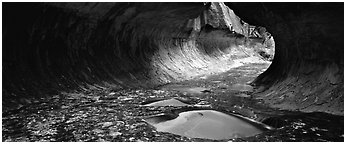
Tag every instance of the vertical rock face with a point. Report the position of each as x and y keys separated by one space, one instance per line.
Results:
x=220 y=16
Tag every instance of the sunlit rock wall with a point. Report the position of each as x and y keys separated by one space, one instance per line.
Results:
x=52 y=47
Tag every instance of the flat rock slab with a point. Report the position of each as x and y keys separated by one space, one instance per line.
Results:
x=243 y=95
x=241 y=87
x=208 y=124
x=190 y=90
x=168 y=102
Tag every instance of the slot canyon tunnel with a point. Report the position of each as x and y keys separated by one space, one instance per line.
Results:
x=60 y=60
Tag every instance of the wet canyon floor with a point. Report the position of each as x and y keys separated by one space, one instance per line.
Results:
x=106 y=114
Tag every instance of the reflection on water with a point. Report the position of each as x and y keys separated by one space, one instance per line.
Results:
x=208 y=124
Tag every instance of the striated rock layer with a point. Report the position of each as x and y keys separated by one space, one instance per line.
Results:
x=307 y=73
x=52 y=47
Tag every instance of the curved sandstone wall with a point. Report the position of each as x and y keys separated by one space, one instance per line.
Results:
x=51 y=47
x=307 y=73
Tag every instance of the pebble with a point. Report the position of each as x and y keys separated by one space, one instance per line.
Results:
x=114 y=133
x=203 y=103
x=120 y=123
x=106 y=124
x=131 y=138
x=64 y=107
x=243 y=95
x=98 y=131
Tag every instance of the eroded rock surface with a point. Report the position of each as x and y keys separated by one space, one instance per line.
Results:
x=80 y=71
